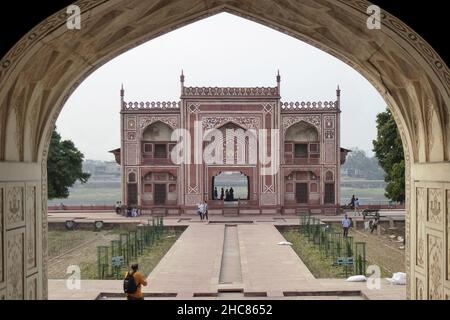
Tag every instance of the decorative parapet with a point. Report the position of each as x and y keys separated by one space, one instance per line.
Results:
x=170 y=105
x=231 y=91
x=309 y=106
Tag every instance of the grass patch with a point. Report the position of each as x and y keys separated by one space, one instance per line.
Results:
x=62 y=243
x=317 y=263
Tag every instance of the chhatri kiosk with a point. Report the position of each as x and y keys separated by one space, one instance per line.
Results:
x=285 y=160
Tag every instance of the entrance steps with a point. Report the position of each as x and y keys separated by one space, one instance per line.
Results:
x=230 y=212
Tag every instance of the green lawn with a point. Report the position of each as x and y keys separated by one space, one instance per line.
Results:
x=80 y=248
x=310 y=254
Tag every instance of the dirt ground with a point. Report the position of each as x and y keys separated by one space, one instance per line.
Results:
x=383 y=250
x=74 y=248
x=79 y=248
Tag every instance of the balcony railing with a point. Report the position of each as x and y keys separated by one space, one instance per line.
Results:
x=302 y=160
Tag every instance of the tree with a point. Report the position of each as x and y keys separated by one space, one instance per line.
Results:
x=388 y=149
x=64 y=167
x=362 y=166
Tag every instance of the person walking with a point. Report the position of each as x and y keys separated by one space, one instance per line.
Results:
x=118 y=207
x=205 y=210
x=200 y=210
x=215 y=193
x=133 y=282
x=356 y=208
x=352 y=202
x=374 y=224
x=346 y=222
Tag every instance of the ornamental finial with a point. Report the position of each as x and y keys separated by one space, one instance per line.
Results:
x=182 y=76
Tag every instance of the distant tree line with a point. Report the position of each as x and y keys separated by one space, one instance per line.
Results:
x=359 y=165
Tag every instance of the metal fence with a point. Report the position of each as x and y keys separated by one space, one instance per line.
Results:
x=113 y=260
x=333 y=246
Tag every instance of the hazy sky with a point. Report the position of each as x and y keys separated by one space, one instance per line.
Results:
x=223 y=50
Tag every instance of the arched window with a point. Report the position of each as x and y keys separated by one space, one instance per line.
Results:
x=157 y=143
x=157 y=131
x=231 y=144
x=302 y=131
x=132 y=177
x=302 y=144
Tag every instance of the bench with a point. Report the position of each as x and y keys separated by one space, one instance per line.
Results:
x=345 y=261
x=371 y=212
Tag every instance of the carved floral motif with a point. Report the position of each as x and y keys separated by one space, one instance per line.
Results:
x=14 y=269
x=14 y=205
x=31 y=226
x=420 y=221
x=435 y=206
x=311 y=119
x=171 y=121
x=245 y=122
x=435 y=289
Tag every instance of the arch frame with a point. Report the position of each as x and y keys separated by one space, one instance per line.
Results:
x=409 y=74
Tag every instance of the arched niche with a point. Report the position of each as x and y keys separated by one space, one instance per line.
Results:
x=302 y=132
x=157 y=132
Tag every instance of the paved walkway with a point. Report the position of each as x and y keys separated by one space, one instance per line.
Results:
x=231 y=257
x=192 y=264
x=243 y=259
x=185 y=220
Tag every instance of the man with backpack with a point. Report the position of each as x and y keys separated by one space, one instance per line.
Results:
x=133 y=282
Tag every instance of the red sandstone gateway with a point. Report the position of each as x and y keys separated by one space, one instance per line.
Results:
x=306 y=178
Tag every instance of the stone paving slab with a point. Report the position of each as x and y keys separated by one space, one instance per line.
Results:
x=192 y=264
x=267 y=266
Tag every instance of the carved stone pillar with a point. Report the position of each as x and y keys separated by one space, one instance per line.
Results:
x=23 y=227
x=429 y=243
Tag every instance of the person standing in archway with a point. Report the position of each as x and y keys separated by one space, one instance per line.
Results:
x=222 y=194
x=215 y=193
x=231 y=194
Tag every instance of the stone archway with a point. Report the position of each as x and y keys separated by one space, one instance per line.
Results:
x=41 y=71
